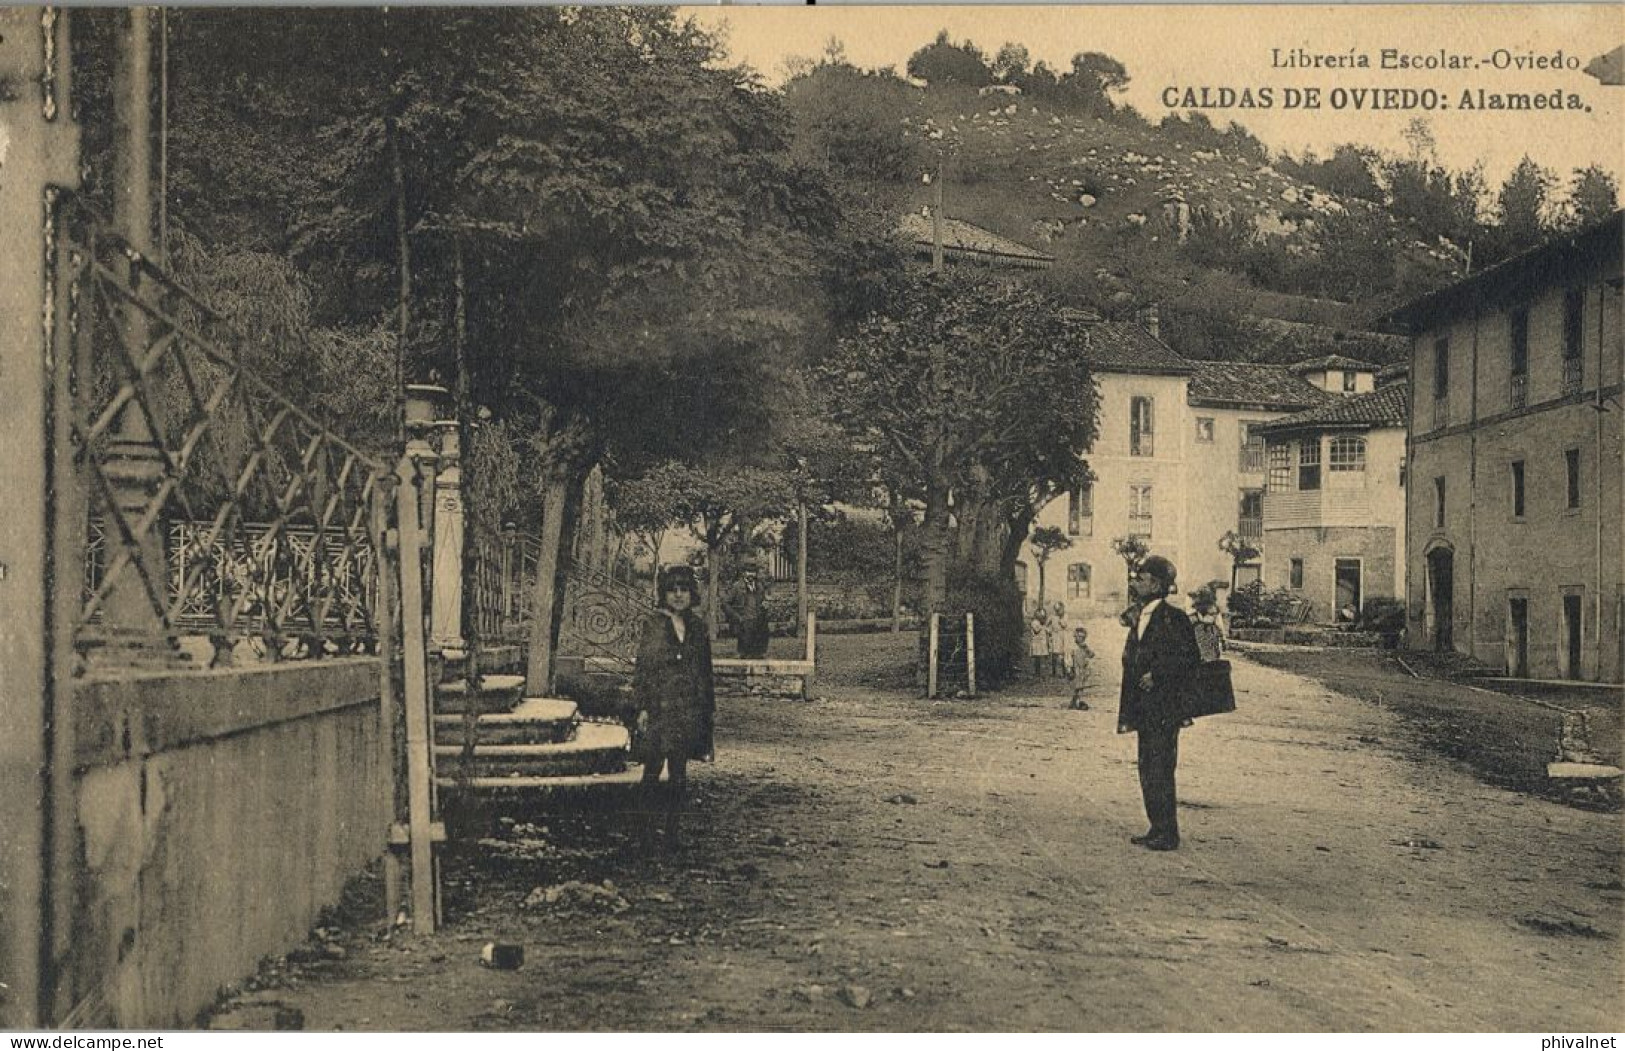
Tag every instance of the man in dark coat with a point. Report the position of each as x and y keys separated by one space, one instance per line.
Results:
x=746 y=608
x=1159 y=658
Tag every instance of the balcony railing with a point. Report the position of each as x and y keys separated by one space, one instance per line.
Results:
x=1140 y=526
x=1520 y=390
x=1141 y=445
x=1252 y=459
x=1441 y=411
x=1572 y=368
x=1250 y=528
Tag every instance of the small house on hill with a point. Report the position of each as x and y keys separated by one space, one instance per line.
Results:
x=964 y=242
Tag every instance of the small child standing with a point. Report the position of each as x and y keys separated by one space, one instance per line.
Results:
x=1206 y=624
x=1078 y=661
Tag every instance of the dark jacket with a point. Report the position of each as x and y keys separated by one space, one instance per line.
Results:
x=1169 y=653
x=673 y=685
x=746 y=610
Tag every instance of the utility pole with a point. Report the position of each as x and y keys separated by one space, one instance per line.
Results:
x=936 y=220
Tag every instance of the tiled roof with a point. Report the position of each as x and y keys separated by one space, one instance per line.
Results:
x=1123 y=346
x=1332 y=361
x=1386 y=407
x=1398 y=372
x=1241 y=383
x=1517 y=278
x=968 y=241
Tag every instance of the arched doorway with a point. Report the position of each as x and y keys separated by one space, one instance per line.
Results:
x=1441 y=589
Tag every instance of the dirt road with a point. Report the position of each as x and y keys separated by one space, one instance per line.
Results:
x=872 y=861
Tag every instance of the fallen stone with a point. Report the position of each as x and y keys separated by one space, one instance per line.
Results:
x=902 y=797
x=575 y=894
x=503 y=956
x=855 y=996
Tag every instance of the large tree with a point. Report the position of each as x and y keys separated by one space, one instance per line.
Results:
x=640 y=253
x=975 y=393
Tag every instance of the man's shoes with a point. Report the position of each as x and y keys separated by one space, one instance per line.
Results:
x=1141 y=841
x=1161 y=843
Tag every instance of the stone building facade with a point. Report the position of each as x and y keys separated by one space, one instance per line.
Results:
x=1334 y=507
x=1514 y=508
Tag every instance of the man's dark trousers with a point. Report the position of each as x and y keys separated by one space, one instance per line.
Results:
x=1159 y=754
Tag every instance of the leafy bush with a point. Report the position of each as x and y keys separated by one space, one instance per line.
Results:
x=1383 y=614
x=1000 y=624
x=1251 y=606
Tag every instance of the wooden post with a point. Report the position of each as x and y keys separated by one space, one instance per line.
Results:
x=41 y=532
x=386 y=553
x=812 y=638
x=803 y=603
x=970 y=651
x=419 y=727
x=931 y=659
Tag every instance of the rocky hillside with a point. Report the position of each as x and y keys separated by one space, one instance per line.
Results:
x=1089 y=190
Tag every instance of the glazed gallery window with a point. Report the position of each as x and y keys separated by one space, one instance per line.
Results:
x=1346 y=454
x=1571 y=465
x=1139 y=510
x=1204 y=428
x=1309 y=463
x=1080 y=511
x=1077 y=580
x=1140 y=427
x=1517 y=488
x=1280 y=479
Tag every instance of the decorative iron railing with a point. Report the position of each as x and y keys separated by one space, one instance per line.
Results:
x=1573 y=371
x=211 y=503
x=603 y=618
x=1520 y=390
x=504 y=584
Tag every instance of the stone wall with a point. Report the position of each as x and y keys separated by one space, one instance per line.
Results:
x=217 y=813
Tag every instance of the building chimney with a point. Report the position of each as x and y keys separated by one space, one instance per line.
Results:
x=1149 y=319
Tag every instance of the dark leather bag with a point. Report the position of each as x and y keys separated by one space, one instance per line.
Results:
x=1209 y=691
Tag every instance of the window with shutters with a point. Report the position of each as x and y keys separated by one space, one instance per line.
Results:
x=1441 y=382
x=1080 y=511
x=1573 y=338
x=1140 y=425
x=1077 y=580
x=1139 y=510
x=1520 y=358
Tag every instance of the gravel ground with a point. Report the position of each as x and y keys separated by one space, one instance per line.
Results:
x=873 y=861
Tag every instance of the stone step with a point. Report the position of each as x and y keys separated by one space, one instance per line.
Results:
x=536 y=720
x=596 y=748
x=622 y=780
x=497 y=693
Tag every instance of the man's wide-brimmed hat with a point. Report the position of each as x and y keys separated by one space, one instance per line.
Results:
x=1160 y=569
x=678 y=577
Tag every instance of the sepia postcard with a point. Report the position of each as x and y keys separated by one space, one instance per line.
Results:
x=827 y=519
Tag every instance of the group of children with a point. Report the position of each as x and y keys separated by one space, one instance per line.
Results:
x=1062 y=656
x=1053 y=655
